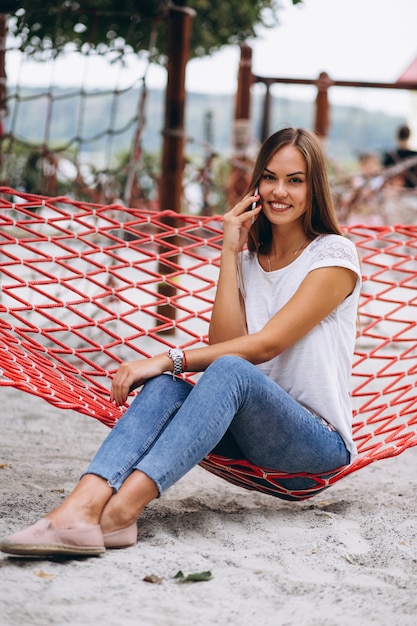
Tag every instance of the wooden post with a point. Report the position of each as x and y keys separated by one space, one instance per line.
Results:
x=242 y=132
x=179 y=33
x=208 y=159
x=322 y=117
x=3 y=84
x=178 y=45
x=242 y=137
x=266 y=118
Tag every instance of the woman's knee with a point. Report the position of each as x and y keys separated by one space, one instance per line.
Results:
x=164 y=383
x=229 y=371
x=163 y=380
x=229 y=363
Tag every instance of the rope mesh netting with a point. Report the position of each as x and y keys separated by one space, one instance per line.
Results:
x=72 y=117
x=86 y=286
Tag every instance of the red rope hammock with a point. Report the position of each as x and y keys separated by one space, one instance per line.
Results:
x=85 y=286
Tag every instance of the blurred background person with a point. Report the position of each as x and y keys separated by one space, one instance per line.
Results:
x=408 y=178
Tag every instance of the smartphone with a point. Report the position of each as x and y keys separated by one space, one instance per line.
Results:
x=254 y=204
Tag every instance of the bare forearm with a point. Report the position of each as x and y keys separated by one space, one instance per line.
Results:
x=246 y=347
x=227 y=319
x=198 y=359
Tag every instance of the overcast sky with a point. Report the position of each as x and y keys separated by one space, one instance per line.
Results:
x=366 y=40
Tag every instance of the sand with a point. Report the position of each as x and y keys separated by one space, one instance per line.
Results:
x=346 y=557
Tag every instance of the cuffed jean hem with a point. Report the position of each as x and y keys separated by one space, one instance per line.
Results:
x=116 y=487
x=89 y=473
x=138 y=430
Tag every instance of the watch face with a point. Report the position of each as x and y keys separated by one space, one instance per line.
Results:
x=175 y=353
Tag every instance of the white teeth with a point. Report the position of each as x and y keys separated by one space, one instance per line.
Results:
x=275 y=205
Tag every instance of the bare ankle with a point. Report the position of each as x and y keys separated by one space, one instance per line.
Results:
x=126 y=506
x=84 y=506
x=116 y=520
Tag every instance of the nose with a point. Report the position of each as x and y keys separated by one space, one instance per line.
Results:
x=280 y=189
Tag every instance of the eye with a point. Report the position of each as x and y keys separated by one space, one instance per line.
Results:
x=296 y=180
x=267 y=176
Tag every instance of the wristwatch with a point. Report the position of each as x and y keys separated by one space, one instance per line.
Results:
x=177 y=357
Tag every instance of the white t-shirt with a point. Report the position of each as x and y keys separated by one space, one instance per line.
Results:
x=316 y=370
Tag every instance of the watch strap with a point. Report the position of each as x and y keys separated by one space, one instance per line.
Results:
x=178 y=358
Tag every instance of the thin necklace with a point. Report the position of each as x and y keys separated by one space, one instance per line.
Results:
x=295 y=253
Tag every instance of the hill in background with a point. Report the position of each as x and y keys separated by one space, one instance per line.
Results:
x=105 y=123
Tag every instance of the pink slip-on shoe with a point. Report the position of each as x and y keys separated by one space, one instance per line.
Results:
x=44 y=539
x=122 y=538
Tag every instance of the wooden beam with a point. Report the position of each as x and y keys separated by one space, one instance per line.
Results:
x=179 y=35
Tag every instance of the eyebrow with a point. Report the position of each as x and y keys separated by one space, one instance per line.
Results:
x=292 y=174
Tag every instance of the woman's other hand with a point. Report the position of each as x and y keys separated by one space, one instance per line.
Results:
x=132 y=374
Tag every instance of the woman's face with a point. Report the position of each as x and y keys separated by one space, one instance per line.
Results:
x=283 y=187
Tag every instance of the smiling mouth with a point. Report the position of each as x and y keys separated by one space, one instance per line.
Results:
x=279 y=206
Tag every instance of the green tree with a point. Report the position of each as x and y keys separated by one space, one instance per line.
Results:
x=44 y=27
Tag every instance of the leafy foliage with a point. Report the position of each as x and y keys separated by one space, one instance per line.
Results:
x=44 y=27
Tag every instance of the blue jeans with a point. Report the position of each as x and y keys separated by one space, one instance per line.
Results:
x=234 y=409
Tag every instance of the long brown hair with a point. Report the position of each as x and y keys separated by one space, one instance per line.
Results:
x=320 y=216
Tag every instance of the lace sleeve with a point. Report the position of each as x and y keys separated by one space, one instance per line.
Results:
x=330 y=250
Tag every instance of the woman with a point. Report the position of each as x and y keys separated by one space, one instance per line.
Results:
x=275 y=382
